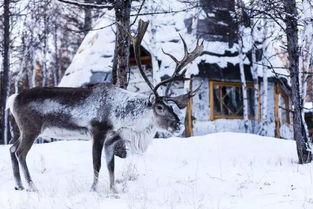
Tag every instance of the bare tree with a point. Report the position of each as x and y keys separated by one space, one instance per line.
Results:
x=122 y=43
x=6 y=69
x=291 y=22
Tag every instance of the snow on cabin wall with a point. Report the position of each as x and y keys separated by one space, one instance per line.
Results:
x=220 y=125
x=286 y=131
x=270 y=102
x=200 y=102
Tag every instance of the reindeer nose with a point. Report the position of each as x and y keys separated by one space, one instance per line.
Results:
x=178 y=129
x=179 y=125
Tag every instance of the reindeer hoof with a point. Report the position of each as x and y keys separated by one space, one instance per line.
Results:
x=113 y=190
x=120 y=149
x=32 y=187
x=93 y=188
x=19 y=188
x=32 y=190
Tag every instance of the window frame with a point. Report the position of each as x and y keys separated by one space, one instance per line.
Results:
x=282 y=93
x=213 y=83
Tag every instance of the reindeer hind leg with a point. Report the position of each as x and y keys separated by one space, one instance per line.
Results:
x=15 y=166
x=25 y=144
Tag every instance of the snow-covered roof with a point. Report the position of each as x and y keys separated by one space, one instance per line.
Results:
x=96 y=51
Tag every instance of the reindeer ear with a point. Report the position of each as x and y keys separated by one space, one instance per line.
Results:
x=181 y=101
x=152 y=99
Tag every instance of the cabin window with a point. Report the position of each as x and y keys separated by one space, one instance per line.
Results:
x=226 y=100
x=309 y=121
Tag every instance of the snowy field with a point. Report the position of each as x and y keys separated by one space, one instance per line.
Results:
x=218 y=171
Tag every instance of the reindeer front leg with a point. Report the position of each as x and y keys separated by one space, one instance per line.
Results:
x=120 y=149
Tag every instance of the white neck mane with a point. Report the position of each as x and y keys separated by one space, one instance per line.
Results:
x=138 y=142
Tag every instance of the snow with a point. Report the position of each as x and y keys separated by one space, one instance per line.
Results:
x=223 y=170
x=308 y=106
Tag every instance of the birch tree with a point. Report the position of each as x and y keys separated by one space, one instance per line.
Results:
x=255 y=76
x=241 y=34
x=264 y=125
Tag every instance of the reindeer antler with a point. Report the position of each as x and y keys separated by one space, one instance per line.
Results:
x=178 y=75
x=142 y=28
x=188 y=57
x=182 y=100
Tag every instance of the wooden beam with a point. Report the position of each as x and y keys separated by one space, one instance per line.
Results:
x=276 y=111
x=188 y=121
x=211 y=107
x=259 y=102
x=286 y=98
x=231 y=84
x=231 y=117
x=145 y=60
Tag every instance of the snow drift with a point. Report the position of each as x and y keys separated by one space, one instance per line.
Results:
x=225 y=170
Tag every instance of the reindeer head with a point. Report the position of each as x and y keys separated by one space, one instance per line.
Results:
x=164 y=114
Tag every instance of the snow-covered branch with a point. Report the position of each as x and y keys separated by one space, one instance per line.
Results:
x=88 y=5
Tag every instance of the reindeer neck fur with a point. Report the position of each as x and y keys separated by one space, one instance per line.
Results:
x=133 y=119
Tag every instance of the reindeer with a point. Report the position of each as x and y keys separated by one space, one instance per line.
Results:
x=112 y=117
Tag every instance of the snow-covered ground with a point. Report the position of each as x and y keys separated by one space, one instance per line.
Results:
x=224 y=170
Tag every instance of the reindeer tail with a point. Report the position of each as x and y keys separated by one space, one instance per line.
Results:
x=10 y=102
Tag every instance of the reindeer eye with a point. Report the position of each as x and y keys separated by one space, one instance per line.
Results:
x=159 y=107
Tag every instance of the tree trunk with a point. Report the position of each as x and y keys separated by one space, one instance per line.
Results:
x=255 y=83
x=303 y=147
x=265 y=83
x=87 y=18
x=45 y=73
x=239 y=8
x=6 y=68
x=56 y=57
x=122 y=43
x=244 y=84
